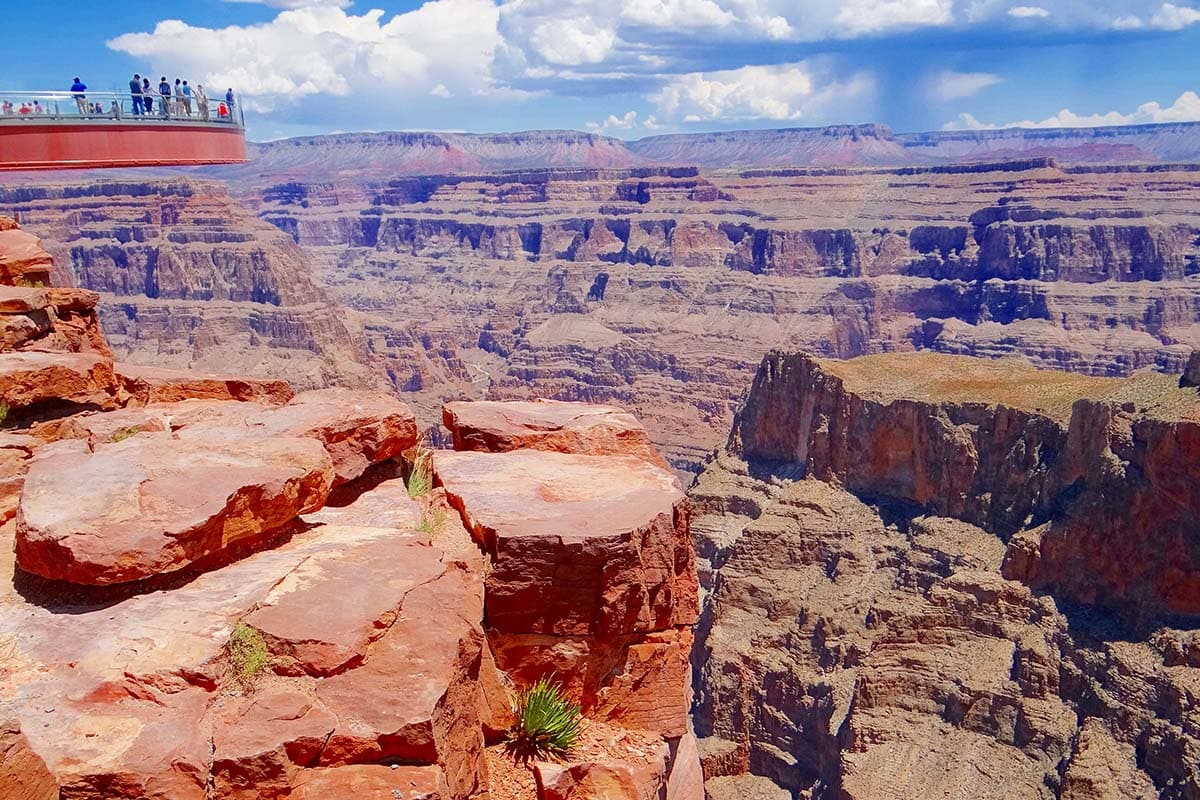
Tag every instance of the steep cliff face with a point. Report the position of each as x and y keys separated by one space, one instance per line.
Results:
x=215 y=587
x=659 y=289
x=188 y=279
x=960 y=575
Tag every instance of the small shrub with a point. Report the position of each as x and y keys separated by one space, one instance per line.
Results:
x=4 y=409
x=125 y=433
x=547 y=723
x=28 y=284
x=420 y=480
x=248 y=654
x=432 y=521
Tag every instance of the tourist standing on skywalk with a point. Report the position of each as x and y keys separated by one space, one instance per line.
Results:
x=78 y=88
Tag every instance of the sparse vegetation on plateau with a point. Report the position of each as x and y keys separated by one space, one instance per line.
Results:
x=4 y=409
x=420 y=479
x=547 y=723
x=248 y=656
x=432 y=521
x=125 y=433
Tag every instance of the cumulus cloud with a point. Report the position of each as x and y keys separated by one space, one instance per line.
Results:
x=1027 y=12
x=625 y=122
x=323 y=50
x=784 y=92
x=1173 y=18
x=1185 y=109
x=947 y=85
x=873 y=16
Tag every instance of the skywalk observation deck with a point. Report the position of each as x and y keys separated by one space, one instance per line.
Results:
x=55 y=130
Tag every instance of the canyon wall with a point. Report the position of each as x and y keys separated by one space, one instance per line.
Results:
x=188 y=279
x=934 y=575
x=656 y=288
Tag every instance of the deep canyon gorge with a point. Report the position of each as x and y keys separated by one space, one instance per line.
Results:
x=924 y=522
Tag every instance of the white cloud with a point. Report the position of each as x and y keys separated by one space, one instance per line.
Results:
x=1127 y=23
x=323 y=50
x=441 y=91
x=874 y=16
x=625 y=122
x=677 y=13
x=947 y=86
x=572 y=42
x=1185 y=109
x=1027 y=12
x=785 y=92
x=1173 y=18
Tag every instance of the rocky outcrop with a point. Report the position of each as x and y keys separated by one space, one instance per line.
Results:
x=63 y=320
x=583 y=428
x=206 y=625
x=935 y=575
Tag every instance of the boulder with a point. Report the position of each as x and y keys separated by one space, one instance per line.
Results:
x=63 y=320
x=143 y=385
x=357 y=428
x=29 y=377
x=158 y=502
x=585 y=781
x=22 y=258
x=414 y=699
x=23 y=774
x=387 y=505
x=322 y=618
x=371 y=781
x=583 y=428
x=580 y=545
x=260 y=742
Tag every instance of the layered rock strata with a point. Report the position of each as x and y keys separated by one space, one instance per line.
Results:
x=936 y=575
x=219 y=588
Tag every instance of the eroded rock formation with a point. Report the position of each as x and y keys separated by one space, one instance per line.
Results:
x=221 y=588
x=930 y=575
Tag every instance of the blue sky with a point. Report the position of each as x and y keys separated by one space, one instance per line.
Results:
x=632 y=68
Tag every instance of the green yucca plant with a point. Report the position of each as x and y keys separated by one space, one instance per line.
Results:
x=547 y=723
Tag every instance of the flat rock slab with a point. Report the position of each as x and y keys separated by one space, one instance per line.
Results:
x=357 y=428
x=371 y=782
x=579 y=544
x=22 y=257
x=143 y=385
x=260 y=742
x=125 y=699
x=30 y=377
x=583 y=428
x=387 y=505
x=415 y=697
x=323 y=616
x=23 y=774
x=158 y=502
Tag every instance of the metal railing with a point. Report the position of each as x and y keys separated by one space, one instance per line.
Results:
x=98 y=107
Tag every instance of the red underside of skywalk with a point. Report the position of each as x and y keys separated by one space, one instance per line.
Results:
x=35 y=145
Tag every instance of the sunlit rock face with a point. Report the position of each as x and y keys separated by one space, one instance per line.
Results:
x=929 y=573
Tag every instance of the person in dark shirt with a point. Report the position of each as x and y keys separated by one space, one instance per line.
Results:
x=164 y=101
x=135 y=94
x=78 y=88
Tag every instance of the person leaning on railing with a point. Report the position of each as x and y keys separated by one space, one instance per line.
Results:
x=78 y=88
x=202 y=101
x=135 y=94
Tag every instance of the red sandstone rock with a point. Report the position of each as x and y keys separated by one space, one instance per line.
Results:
x=62 y=320
x=27 y=378
x=357 y=428
x=22 y=258
x=414 y=699
x=323 y=618
x=387 y=505
x=585 y=781
x=369 y=782
x=579 y=544
x=156 y=503
x=261 y=742
x=23 y=774
x=548 y=425
x=686 y=781
x=145 y=385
